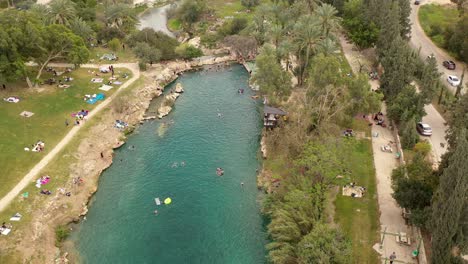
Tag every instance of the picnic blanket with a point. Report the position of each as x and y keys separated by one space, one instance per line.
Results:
x=117 y=82
x=16 y=217
x=105 y=87
x=95 y=98
x=42 y=181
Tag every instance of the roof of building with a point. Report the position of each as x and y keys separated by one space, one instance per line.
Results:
x=272 y=110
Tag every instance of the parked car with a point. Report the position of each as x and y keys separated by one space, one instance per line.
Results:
x=449 y=65
x=453 y=80
x=424 y=129
x=417 y=2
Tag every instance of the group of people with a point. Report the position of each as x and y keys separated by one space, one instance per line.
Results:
x=379 y=119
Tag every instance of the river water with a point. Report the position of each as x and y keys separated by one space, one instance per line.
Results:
x=156 y=18
x=211 y=219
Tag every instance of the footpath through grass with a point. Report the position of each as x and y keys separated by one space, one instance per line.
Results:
x=51 y=107
x=436 y=19
x=359 y=217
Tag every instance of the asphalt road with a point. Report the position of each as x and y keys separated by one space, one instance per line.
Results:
x=419 y=40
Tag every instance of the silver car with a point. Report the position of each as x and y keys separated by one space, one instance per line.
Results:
x=424 y=129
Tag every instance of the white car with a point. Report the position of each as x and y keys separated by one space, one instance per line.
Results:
x=424 y=129
x=453 y=80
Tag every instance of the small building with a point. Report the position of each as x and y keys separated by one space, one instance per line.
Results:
x=272 y=116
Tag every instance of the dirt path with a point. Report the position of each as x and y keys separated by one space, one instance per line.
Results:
x=28 y=178
x=391 y=220
x=419 y=40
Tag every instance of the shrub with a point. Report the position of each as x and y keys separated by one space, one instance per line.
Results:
x=250 y=3
x=423 y=147
x=187 y=51
x=114 y=44
x=142 y=65
x=61 y=233
x=155 y=41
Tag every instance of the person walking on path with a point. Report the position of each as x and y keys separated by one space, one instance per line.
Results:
x=392 y=257
x=66 y=122
x=102 y=155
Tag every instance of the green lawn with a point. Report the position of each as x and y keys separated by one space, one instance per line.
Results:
x=59 y=169
x=435 y=19
x=51 y=107
x=359 y=217
x=224 y=8
x=174 y=24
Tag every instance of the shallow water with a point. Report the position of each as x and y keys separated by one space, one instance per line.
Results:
x=211 y=219
x=156 y=18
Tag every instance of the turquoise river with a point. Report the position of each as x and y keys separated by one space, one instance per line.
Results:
x=211 y=219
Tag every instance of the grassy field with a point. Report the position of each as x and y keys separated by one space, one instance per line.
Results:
x=228 y=8
x=174 y=24
x=359 y=217
x=435 y=19
x=59 y=167
x=51 y=107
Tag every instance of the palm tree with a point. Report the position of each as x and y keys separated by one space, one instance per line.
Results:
x=81 y=28
x=275 y=34
x=327 y=18
x=307 y=35
x=120 y=16
x=61 y=12
x=327 y=47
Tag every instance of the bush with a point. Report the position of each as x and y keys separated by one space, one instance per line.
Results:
x=187 y=51
x=233 y=27
x=155 y=41
x=209 y=40
x=114 y=44
x=61 y=233
x=423 y=147
x=142 y=65
x=146 y=53
x=409 y=135
x=250 y=3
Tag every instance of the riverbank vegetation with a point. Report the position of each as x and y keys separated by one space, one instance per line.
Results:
x=300 y=69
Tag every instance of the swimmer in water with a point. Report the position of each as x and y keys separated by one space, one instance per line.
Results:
x=242 y=184
x=182 y=163
x=155 y=212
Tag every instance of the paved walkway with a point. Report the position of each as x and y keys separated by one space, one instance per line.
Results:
x=391 y=220
x=28 y=178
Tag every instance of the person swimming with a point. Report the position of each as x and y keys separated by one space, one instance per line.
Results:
x=219 y=171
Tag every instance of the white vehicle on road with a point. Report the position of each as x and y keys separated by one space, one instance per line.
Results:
x=453 y=80
x=424 y=129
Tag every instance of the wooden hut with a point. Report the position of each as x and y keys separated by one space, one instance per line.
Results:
x=272 y=116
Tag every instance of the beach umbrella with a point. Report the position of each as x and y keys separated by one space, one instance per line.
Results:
x=167 y=200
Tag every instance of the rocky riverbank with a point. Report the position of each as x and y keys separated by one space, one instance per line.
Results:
x=93 y=155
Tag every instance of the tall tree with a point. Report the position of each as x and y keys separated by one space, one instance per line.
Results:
x=58 y=42
x=405 y=23
x=399 y=65
x=270 y=76
x=81 y=28
x=327 y=18
x=450 y=207
x=61 y=11
x=389 y=28
x=121 y=16
x=429 y=79
x=306 y=36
